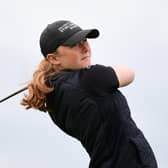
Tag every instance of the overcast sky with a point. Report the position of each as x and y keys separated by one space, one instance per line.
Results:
x=132 y=32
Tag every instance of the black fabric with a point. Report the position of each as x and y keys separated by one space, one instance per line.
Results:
x=87 y=105
x=99 y=80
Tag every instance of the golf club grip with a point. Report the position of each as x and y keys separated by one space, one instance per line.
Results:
x=13 y=94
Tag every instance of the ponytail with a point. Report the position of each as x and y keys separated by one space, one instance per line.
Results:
x=37 y=88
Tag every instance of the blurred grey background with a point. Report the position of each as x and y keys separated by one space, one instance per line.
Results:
x=133 y=33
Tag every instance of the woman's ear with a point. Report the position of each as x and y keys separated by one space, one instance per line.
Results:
x=53 y=59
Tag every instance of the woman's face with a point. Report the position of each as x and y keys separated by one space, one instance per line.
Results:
x=75 y=57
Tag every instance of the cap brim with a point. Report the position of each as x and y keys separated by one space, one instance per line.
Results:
x=81 y=35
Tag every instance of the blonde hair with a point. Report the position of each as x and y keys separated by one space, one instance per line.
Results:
x=37 y=87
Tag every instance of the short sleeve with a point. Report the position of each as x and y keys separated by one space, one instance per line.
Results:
x=99 y=79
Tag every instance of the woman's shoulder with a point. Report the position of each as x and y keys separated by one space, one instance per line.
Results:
x=74 y=77
x=66 y=77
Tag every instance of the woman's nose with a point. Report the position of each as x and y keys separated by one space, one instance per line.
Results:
x=84 y=46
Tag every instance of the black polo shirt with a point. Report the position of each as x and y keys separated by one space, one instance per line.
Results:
x=87 y=105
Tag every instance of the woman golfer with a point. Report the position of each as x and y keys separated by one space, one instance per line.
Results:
x=83 y=99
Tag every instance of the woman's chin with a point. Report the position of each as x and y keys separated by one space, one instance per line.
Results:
x=87 y=64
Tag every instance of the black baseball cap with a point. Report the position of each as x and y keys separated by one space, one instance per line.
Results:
x=64 y=33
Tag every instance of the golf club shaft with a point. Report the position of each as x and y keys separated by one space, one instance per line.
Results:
x=13 y=94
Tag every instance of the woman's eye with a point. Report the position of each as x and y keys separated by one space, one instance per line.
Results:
x=78 y=44
x=74 y=45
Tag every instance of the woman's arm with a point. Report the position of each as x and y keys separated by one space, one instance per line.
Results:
x=124 y=74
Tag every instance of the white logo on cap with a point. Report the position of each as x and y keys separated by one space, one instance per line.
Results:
x=66 y=26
